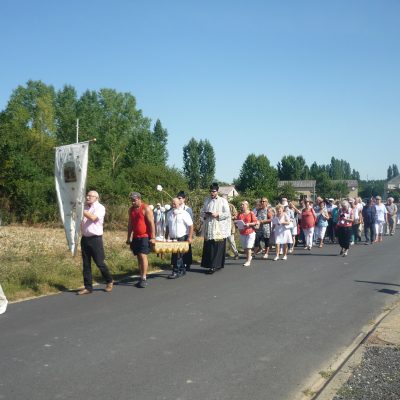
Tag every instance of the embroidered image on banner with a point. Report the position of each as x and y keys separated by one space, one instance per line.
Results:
x=70 y=176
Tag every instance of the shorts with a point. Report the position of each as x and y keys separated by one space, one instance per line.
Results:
x=140 y=246
x=261 y=238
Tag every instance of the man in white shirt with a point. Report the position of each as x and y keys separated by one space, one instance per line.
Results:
x=181 y=196
x=92 y=243
x=180 y=228
x=188 y=257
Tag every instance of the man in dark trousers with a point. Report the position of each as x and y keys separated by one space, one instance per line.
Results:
x=92 y=243
x=187 y=257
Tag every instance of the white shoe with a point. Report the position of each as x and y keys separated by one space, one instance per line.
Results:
x=265 y=256
x=276 y=258
x=290 y=250
x=246 y=264
x=284 y=258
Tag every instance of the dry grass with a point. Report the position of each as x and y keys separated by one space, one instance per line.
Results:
x=36 y=261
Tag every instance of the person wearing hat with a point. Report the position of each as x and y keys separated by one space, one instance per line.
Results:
x=381 y=218
x=216 y=228
x=92 y=243
x=187 y=257
x=141 y=232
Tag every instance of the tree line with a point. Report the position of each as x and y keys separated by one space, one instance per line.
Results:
x=130 y=154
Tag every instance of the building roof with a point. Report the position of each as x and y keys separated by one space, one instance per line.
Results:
x=297 y=184
x=395 y=180
x=227 y=189
x=351 y=183
x=311 y=183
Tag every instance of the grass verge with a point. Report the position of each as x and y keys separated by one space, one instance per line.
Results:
x=36 y=261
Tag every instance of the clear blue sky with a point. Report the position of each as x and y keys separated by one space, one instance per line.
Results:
x=301 y=77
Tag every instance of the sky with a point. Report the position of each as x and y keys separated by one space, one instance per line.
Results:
x=314 y=78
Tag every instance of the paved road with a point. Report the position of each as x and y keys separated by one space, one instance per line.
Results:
x=242 y=333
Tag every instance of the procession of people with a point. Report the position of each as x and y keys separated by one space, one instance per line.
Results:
x=263 y=229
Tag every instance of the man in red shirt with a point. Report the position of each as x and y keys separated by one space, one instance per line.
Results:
x=141 y=232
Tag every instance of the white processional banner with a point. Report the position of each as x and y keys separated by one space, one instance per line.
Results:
x=70 y=175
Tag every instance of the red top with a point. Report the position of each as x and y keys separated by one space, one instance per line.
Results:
x=308 y=218
x=141 y=228
x=247 y=218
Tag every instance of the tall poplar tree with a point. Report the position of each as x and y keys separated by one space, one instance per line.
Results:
x=160 y=140
x=191 y=164
x=207 y=163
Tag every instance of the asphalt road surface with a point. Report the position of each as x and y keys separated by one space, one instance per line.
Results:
x=242 y=333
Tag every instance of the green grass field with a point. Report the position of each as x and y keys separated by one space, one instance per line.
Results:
x=36 y=261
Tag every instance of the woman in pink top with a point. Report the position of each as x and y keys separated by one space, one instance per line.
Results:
x=247 y=233
x=308 y=220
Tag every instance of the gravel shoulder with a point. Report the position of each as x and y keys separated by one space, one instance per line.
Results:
x=372 y=372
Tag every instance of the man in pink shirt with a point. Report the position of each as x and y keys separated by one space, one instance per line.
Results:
x=92 y=242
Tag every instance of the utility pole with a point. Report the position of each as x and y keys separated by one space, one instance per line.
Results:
x=77 y=130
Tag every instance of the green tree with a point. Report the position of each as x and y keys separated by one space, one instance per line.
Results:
x=389 y=173
x=323 y=186
x=257 y=175
x=338 y=190
x=27 y=137
x=288 y=191
x=292 y=168
x=316 y=170
x=371 y=188
x=339 y=169
x=355 y=175
x=66 y=113
x=395 y=170
x=123 y=134
x=160 y=140
x=191 y=164
x=206 y=163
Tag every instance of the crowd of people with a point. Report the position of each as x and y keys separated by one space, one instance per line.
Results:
x=263 y=229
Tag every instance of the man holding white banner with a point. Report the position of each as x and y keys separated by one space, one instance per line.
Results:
x=92 y=243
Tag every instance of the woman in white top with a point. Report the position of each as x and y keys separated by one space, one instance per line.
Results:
x=381 y=219
x=322 y=223
x=283 y=235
